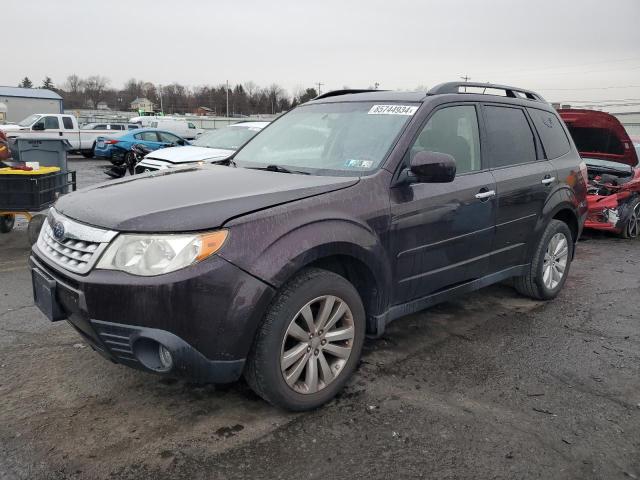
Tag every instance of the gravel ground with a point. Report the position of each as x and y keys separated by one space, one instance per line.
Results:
x=491 y=385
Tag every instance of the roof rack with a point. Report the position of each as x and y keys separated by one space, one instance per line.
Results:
x=336 y=93
x=454 y=87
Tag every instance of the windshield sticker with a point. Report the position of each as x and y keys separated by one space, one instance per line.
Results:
x=393 y=110
x=359 y=163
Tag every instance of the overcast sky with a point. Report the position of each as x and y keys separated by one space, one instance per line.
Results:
x=565 y=49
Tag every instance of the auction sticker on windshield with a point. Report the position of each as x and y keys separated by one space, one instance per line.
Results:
x=393 y=110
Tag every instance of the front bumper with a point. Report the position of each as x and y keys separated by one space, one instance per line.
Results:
x=206 y=315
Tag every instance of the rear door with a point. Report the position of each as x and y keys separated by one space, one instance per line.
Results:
x=150 y=139
x=524 y=179
x=70 y=132
x=442 y=233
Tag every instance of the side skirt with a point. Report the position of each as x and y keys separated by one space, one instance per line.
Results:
x=377 y=324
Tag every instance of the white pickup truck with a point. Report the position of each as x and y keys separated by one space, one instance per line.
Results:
x=46 y=125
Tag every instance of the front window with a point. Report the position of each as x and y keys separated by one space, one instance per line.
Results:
x=29 y=120
x=229 y=138
x=347 y=138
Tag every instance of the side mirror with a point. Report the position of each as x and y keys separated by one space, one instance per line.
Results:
x=38 y=127
x=433 y=167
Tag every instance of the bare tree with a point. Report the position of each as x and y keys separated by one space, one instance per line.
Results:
x=73 y=84
x=94 y=88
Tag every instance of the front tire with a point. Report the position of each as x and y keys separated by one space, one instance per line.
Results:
x=309 y=342
x=34 y=227
x=6 y=223
x=632 y=226
x=550 y=264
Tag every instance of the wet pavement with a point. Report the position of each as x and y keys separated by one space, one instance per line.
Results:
x=492 y=385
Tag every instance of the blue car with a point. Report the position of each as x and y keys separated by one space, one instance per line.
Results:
x=149 y=137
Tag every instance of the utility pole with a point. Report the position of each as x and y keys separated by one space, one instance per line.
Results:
x=161 y=107
x=227 y=98
x=466 y=78
x=320 y=84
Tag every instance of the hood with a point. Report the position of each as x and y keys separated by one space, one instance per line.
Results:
x=600 y=135
x=12 y=128
x=189 y=154
x=190 y=199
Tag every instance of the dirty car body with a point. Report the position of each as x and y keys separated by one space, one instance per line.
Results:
x=359 y=207
x=612 y=163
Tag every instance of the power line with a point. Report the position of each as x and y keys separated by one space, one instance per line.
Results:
x=566 y=66
x=590 y=88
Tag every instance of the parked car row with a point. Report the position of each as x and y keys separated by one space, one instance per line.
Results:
x=210 y=147
x=347 y=212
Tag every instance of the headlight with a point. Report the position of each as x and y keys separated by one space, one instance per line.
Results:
x=157 y=254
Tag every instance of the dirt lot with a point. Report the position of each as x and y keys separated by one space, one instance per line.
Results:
x=490 y=386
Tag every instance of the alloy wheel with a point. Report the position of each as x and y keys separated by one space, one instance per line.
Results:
x=317 y=344
x=633 y=226
x=555 y=260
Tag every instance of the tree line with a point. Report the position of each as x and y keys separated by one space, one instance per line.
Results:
x=244 y=99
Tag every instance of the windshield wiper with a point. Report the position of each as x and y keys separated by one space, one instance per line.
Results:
x=279 y=169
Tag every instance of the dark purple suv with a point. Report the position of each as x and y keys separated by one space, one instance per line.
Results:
x=351 y=210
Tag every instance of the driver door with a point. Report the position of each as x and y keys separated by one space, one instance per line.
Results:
x=442 y=233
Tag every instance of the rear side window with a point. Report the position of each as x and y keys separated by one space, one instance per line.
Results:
x=68 y=123
x=147 y=136
x=554 y=139
x=51 y=123
x=509 y=137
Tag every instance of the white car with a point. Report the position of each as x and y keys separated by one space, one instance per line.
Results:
x=210 y=147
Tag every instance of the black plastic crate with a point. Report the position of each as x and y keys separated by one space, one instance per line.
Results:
x=32 y=193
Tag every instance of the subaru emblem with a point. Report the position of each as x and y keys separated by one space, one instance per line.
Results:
x=58 y=230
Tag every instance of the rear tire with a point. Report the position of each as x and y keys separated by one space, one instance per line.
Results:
x=89 y=153
x=632 y=226
x=323 y=360
x=6 y=223
x=550 y=264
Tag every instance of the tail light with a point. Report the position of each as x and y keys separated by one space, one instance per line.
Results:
x=585 y=173
x=111 y=142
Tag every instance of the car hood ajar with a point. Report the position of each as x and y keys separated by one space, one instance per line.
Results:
x=600 y=135
x=189 y=153
x=190 y=199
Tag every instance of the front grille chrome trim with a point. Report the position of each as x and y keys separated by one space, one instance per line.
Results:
x=80 y=246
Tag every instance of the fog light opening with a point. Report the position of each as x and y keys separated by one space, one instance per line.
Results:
x=153 y=355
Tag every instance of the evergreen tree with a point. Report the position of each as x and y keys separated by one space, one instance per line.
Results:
x=26 y=83
x=47 y=83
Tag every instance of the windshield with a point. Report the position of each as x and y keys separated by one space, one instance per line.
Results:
x=229 y=138
x=332 y=138
x=29 y=120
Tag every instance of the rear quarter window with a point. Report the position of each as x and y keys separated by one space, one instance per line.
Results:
x=554 y=139
x=68 y=123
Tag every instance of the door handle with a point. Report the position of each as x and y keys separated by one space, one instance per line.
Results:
x=548 y=180
x=486 y=194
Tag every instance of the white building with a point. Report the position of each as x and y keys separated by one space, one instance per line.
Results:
x=19 y=102
x=631 y=122
x=142 y=104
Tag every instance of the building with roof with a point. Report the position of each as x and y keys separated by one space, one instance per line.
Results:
x=19 y=102
x=142 y=104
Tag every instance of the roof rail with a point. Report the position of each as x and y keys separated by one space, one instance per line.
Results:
x=336 y=93
x=454 y=87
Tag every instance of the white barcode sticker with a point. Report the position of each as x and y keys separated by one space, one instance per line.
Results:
x=393 y=110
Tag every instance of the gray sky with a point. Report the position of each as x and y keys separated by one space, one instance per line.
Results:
x=565 y=49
